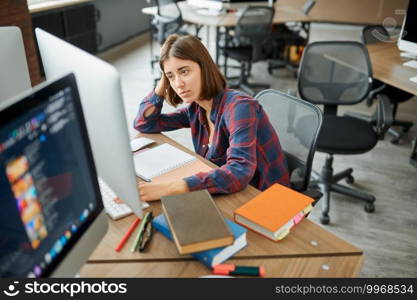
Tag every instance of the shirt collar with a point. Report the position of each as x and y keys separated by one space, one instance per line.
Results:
x=217 y=100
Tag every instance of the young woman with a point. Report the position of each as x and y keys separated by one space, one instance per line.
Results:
x=228 y=127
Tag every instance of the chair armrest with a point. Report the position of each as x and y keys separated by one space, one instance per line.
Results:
x=384 y=115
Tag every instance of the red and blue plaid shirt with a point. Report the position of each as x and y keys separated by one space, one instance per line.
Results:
x=244 y=145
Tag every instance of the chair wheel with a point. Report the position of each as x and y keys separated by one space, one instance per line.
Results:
x=395 y=141
x=369 y=207
x=325 y=219
x=350 y=179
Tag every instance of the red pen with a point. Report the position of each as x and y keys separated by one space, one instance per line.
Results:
x=127 y=235
x=228 y=269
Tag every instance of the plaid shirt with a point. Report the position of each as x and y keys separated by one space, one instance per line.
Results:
x=244 y=146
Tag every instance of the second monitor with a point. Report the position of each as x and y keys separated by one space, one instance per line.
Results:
x=102 y=103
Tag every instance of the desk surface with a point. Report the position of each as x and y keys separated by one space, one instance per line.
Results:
x=53 y=4
x=307 y=240
x=329 y=11
x=387 y=66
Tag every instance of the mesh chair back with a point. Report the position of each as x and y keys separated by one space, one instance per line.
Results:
x=168 y=19
x=333 y=73
x=168 y=9
x=298 y=139
x=254 y=28
x=374 y=34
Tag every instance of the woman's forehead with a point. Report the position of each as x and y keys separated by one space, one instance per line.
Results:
x=173 y=64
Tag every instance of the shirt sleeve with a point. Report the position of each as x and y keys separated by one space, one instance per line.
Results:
x=235 y=175
x=157 y=122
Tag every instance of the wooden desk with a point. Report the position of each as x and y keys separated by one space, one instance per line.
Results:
x=283 y=14
x=387 y=66
x=302 y=253
x=53 y=4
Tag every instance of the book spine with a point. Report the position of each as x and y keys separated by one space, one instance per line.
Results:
x=251 y=229
x=204 y=259
x=201 y=256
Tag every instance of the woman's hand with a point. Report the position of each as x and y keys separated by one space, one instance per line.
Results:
x=162 y=86
x=154 y=191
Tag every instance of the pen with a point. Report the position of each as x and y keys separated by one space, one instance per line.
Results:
x=147 y=234
x=140 y=232
x=127 y=235
x=229 y=269
x=144 y=179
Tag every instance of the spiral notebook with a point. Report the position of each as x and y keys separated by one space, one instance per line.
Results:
x=159 y=160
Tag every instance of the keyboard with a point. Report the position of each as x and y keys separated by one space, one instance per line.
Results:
x=113 y=209
x=411 y=64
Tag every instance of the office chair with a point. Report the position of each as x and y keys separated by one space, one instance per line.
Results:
x=333 y=74
x=298 y=139
x=168 y=20
x=376 y=34
x=252 y=33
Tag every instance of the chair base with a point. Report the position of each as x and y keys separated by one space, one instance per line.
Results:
x=406 y=125
x=328 y=183
x=413 y=157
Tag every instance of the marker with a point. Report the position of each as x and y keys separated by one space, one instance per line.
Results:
x=127 y=235
x=228 y=269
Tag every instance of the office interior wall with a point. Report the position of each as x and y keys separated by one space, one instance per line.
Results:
x=119 y=20
x=362 y=11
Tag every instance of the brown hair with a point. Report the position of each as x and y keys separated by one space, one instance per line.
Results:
x=190 y=48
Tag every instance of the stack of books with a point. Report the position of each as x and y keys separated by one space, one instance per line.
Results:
x=197 y=227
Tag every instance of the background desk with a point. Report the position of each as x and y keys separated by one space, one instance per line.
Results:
x=307 y=251
x=387 y=66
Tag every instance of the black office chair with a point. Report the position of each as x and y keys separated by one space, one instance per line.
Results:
x=333 y=74
x=252 y=33
x=376 y=34
x=298 y=139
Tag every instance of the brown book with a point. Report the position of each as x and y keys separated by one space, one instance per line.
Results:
x=195 y=222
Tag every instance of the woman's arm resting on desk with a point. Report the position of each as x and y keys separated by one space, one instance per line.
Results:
x=154 y=191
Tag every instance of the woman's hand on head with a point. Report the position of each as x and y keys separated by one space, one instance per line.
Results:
x=154 y=191
x=162 y=86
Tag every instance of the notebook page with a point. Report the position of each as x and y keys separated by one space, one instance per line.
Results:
x=159 y=160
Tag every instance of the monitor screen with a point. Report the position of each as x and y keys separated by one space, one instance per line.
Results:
x=48 y=182
x=408 y=37
x=410 y=26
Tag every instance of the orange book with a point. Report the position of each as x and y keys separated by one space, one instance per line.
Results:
x=274 y=211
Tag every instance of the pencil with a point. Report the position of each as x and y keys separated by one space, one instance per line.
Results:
x=127 y=235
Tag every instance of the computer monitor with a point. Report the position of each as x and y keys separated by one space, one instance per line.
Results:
x=51 y=215
x=14 y=72
x=228 y=4
x=102 y=102
x=408 y=38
